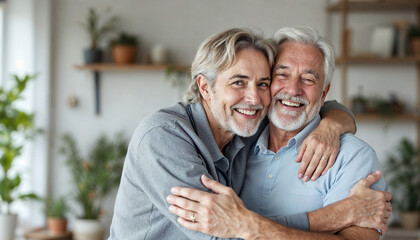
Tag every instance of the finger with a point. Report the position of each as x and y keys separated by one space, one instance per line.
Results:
x=305 y=162
x=313 y=164
x=189 y=225
x=388 y=196
x=186 y=214
x=302 y=149
x=183 y=203
x=215 y=186
x=370 y=179
x=331 y=162
x=189 y=193
x=321 y=166
x=388 y=206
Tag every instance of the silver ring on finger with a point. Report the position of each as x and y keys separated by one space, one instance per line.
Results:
x=192 y=218
x=323 y=158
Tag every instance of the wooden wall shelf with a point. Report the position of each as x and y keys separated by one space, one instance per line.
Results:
x=378 y=5
x=379 y=60
x=129 y=67
x=396 y=118
x=99 y=67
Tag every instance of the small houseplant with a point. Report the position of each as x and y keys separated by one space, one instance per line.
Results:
x=16 y=127
x=97 y=29
x=124 y=48
x=56 y=211
x=94 y=178
x=403 y=174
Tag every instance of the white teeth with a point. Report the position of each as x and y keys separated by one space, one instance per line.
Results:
x=291 y=104
x=247 y=112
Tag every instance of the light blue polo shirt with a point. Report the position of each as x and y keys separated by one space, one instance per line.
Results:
x=272 y=188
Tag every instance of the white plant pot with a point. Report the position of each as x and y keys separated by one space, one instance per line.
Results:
x=86 y=229
x=7 y=226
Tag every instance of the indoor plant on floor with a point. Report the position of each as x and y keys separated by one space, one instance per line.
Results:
x=94 y=178
x=96 y=30
x=56 y=211
x=403 y=175
x=16 y=127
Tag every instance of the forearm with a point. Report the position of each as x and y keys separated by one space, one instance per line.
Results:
x=262 y=228
x=338 y=121
x=331 y=218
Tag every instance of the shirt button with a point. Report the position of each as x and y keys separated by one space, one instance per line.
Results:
x=270 y=176
x=277 y=158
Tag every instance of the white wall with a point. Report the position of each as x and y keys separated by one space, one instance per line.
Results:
x=181 y=25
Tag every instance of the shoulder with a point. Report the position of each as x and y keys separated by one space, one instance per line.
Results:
x=356 y=151
x=167 y=121
x=350 y=142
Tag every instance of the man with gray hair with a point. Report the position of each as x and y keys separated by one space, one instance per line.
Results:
x=301 y=79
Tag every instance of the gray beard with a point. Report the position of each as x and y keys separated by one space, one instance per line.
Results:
x=295 y=124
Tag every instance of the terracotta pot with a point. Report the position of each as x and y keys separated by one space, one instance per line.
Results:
x=410 y=220
x=124 y=54
x=7 y=226
x=86 y=229
x=415 y=46
x=57 y=225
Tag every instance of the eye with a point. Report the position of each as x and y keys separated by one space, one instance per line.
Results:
x=309 y=81
x=264 y=85
x=237 y=83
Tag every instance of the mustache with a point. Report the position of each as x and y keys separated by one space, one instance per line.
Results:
x=248 y=106
x=289 y=97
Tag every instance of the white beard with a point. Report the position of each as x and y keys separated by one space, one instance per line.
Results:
x=296 y=119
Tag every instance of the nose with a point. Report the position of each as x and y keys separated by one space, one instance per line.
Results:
x=293 y=86
x=252 y=95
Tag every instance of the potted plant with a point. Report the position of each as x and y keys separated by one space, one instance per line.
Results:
x=124 y=48
x=16 y=127
x=96 y=30
x=94 y=178
x=403 y=174
x=56 y=211
x=414 y=38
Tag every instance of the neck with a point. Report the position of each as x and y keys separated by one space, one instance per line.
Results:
x=221 y=136
x=279 y=138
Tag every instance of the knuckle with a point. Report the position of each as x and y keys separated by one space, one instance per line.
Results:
x=206 y=211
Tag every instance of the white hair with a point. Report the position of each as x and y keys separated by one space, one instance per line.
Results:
x=308 y=35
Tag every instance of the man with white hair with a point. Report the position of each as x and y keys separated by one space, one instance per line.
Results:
x=301 y=78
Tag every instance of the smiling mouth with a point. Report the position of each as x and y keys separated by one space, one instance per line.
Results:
x=247 y=112
x=290 y=104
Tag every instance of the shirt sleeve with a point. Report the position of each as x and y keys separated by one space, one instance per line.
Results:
x=334 y=105
x=161 y=159
x=298 y=221
x=357 y=163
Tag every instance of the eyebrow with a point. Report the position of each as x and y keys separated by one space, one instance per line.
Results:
x=239 y=76
x=246 y=77
x=316 y=75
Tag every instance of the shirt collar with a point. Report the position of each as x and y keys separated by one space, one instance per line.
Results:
x=204 y=132
x=262 y=142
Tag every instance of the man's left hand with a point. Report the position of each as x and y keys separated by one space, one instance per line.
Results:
x=221 y=214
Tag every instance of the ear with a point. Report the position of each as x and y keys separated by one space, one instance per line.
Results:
x=324 y=93
x=204 y=87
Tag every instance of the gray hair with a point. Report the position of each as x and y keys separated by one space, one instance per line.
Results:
x=307 y=35
x=217 y=53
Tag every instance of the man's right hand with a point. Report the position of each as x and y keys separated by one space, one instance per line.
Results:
x=372 y=209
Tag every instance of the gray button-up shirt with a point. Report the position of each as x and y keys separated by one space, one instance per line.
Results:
x=166 y=151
